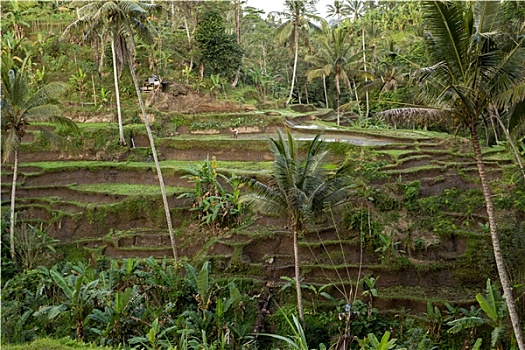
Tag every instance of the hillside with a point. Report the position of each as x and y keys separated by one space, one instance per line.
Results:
x=421 y=231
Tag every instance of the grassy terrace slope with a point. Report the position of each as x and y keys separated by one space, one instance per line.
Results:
x=423 y=233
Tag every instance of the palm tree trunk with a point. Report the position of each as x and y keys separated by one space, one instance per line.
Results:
x=338 y=88
x=306 y=94
x=498 y=256
x=156 y=160
x=12 y=213
x=172 y=12
x=357 y=98
x=122 y=141
x=297 y=274
x=238 y=11
x=366 y=79
x=325 y=92
x=338 y=109
x=294 y=65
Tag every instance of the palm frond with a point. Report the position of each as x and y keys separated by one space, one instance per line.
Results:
x=516 y=120
x=487 y=15
x=447 y=25
x=42 y=113
x=264 y=198
x=508 y=79
x=47 y=94
x=417 y=115
x=55 y=138
x=283 y=33
x=10 y=144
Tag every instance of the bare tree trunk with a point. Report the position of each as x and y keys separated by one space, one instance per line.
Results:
x=156 y=160
x=306 y=93
x=366 y=79
x=294 y=65
x=357 y=98
x=338 y=110
x=12 y=213
x=338 y=88
x=498 y=256
x=188 y=36
x=238 y=20
x=325 y=92
x=122 y=141
x=297 y=274
x=172 y=11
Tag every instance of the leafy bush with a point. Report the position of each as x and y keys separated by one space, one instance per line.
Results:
x=215 y=206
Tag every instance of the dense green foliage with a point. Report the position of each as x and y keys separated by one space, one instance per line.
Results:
x=410 y=221
x=220 y=53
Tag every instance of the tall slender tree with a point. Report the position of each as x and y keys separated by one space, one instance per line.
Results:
x=20 y=108
x=477 y=65
x=300 y=19
x=118 y=21
x=300 y=190
x=124 y=20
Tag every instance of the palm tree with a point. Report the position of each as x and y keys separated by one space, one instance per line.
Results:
x=119 y=20
x=123 y=20
x=300 y=19
x=354 y=8
x=339 y=8
x=20 y=107
x=300 y=189
x=333 y=57
x=477 y=65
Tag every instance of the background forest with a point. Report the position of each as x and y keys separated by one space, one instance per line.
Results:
x=414 y=242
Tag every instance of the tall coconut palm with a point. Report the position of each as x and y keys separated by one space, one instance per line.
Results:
x=334 y=56
x=118 y=20
x=20 y=108
x=477 y=64
x=300 y=190
x=300 y=19
x=122 y=20
x=337 y=9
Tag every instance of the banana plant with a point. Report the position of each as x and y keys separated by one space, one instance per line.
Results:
x=201 y=283
x=214 y=204
x=80 y=293
x=78 y=81
x=370 y=292
x=155 y=339
x=494 y=307
x=372 y=343
x=163 y=276
x=297 y=340
x=113 y=315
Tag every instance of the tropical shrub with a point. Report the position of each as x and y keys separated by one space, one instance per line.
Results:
x=214 y=205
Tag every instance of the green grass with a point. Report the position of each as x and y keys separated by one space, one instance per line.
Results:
x=167 y=164
x=126 y=189
x=51 y=344
x=413 y=170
